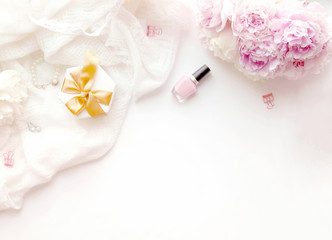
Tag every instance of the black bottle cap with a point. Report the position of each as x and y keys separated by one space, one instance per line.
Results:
x=200 y=73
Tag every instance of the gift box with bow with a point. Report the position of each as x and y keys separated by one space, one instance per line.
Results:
x=87 y=91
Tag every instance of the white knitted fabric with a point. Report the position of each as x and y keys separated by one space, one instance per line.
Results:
x=62 y=31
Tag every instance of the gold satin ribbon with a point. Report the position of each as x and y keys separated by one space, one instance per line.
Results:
x=81 y=84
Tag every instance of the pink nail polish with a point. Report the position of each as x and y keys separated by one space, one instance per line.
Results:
x=187 y=86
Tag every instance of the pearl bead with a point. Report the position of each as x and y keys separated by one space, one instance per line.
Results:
x=54 y=82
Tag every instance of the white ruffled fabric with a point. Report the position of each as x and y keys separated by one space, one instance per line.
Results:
x=59 y=30
x=13 y=93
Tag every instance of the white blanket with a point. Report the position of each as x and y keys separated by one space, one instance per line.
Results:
x=59 y=31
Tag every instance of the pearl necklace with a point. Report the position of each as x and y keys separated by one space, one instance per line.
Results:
x=54 y=81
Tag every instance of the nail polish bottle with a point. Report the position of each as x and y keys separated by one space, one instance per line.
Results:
x=187 y=86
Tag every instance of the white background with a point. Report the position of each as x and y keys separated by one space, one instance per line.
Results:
x=219 y=166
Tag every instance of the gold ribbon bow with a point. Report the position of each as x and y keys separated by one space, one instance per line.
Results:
x=81 y=84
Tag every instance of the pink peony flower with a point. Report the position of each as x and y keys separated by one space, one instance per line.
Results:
x=267 y=38
x=251 y=19
x=304 y=32
x=261 y=59
x=213 y=14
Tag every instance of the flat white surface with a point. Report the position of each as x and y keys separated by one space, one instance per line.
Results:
x=219 y=166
